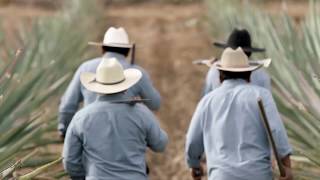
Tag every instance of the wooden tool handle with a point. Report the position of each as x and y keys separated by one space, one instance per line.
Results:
x=133 y=53
x=270 y=137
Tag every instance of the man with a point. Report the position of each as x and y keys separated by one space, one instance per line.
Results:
x=108 y=138
x=238 y=38
x=115 y=44
x=226 y=126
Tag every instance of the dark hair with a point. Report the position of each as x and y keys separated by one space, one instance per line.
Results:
x=224 y=75
x=123 y=51
x=248 y=53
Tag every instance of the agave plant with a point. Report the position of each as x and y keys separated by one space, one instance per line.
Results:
x=294 y=49
x=32 y=79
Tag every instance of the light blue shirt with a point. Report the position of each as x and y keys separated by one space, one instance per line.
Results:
x=108 y=141
x=77 y=93
x=258 y=77
x=226 y=126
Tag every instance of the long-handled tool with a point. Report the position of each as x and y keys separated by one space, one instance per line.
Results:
x=270 y=137
x=130 y=101
x=133 y=53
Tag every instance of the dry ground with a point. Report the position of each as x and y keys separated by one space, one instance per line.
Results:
x=168 y=38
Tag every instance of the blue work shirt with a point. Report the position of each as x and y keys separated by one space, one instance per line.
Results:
x=108 y=141
x=77 y=93
x=258 y=77
x=227 y=127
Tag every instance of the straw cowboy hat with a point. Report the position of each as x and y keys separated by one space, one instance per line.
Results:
x=114 y=37
x=239 y=38
x=110 y=77
x=236 y=61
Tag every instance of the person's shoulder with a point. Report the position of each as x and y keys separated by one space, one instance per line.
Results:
x=89 y=63
x=261 y=73
x=252 y=89
x=206 y=99
x=140 y=107
x=80 y=116
x=139 y=68
x=92 y=108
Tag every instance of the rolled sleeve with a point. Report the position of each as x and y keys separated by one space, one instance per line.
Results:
x=70 y=102
x=72 y=153
x=278 y=130
x=194 y=142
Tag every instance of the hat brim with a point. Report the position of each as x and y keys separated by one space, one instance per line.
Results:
x=132 y=76
x=246 y=49
x=251 y=67
x=264 y=62
x=110 y=44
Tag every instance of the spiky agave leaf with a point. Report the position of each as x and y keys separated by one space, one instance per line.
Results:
x=31 y=83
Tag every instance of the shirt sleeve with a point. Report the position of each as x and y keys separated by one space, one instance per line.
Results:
x=70 y=102
x=148 y=91
x=277 y=127
x=267 y=83
x=212 y=81
x=72 y=152
x=194 y=142
x=157 y=139
x=261 y=78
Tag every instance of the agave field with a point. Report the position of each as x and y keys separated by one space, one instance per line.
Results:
x=32 y=74
x=295 y=50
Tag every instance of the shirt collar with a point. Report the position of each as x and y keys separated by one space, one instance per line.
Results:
x=113 y=97
x=233 y=82
x=118 y=56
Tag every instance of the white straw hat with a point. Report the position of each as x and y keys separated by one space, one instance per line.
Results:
x=114 y=37
x=110 y=77
x=236 y=61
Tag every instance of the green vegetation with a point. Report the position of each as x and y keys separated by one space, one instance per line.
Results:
x=294 y=49
x=33 y=77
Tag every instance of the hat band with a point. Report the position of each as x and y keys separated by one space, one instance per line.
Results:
x=111 y=83
x=235 y=66
x=115 y=43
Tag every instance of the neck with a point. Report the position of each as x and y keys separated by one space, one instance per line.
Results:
x=114 y=54
x=238 y=79
x=113 y=97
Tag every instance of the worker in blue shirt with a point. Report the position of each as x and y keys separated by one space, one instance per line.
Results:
x=227 y=128
x=108 y=139
x=115 y=44
x=238 y=38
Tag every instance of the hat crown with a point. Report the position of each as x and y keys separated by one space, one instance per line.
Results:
x=234 y=58
x=115 y=36
x=239 y=38
x=109 y=71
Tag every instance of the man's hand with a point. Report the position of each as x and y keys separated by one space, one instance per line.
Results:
x=197 y=173
x=289 y=175
x=62 y=135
